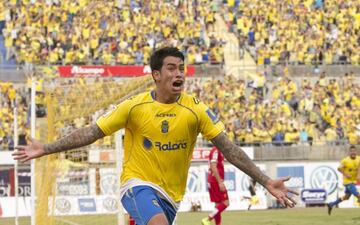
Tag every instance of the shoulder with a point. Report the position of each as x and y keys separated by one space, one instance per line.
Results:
x=194 y=104
x=137 y=99
x=142 y=97
x=189 y=100
x=345 y=160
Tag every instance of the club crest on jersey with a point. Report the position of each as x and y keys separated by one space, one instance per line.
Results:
x=164 y=126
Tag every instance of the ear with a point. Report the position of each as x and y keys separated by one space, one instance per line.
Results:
x=156 y=75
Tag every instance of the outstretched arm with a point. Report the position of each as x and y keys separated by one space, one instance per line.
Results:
x=78 y=138
x=238 y=158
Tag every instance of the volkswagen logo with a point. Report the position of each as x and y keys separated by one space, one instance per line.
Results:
x=324 y=177
x=110 y=204
x=63 y=205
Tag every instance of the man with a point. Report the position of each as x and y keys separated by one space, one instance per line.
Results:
x=350 y=169
x=217 y=189
x=161 y=128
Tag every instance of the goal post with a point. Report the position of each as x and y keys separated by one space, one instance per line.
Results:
x=81 y=186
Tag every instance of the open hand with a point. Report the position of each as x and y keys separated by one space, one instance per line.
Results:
x=26 y=152
x=281 y=192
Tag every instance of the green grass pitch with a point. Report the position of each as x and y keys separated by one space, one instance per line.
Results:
x=298 y=216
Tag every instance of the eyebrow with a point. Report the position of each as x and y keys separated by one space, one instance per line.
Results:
x=173 y=64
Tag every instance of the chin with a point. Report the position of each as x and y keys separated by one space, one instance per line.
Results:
x=177 y=91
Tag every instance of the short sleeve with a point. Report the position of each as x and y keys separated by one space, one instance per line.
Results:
x=115 y=119
x=210 y=124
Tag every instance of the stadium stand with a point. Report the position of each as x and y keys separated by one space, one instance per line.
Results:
x=288 y=88
x=286 y=111
x=297 y=32
x=86 y=32
x=83 y=32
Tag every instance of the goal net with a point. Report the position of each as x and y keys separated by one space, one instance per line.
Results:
x=81 y=186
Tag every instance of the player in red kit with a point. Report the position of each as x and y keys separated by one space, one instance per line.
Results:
x=217 y=189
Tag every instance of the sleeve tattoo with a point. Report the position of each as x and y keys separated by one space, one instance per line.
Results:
x=78 y=138
x=236 y=156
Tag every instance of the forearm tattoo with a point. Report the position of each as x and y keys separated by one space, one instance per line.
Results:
x=78 y=138
x=236 y=156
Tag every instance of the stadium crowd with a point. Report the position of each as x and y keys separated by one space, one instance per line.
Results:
x=63 y=32
x=258 y=110
x=297 y=32
x=264 y=109
x=286 y=111
x=11 y=96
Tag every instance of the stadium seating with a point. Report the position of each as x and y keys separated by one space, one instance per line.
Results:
x=104 y=32
x=285 y=112
x=297 y=32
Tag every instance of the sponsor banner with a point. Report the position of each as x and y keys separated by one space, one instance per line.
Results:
x=110 y=204
x=237 y=184
x=7 y=183
x=87 y=205
x=313 y=196
x=115 y=71
x=295 y=171
x=318 y=175
x=202 y=154
x=64 y=206
x=324 y=175
x=7 y=206
x=91 y=204
x=24 y=179
x=73 y=188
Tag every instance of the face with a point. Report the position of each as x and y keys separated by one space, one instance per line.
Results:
x=353 y=153
x=171 y=78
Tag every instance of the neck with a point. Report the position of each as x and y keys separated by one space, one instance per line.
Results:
x=164 y=98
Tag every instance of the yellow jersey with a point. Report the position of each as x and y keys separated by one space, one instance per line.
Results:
x=350 y=166
x=160 y=138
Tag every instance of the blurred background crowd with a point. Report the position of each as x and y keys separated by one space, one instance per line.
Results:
x=261 y=108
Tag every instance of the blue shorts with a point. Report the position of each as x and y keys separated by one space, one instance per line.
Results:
x=351 y=189
x=143 y=202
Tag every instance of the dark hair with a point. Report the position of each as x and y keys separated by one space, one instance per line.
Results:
x=158 y=56
x=352 y=147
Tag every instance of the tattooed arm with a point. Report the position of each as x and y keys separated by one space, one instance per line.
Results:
x=236 y=156
x=78 y=138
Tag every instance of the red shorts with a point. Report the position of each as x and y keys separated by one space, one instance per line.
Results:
x=215 y=194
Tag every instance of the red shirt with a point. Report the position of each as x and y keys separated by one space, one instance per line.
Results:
x=216 y=156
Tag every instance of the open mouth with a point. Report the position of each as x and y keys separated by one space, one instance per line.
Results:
x=178 y=83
